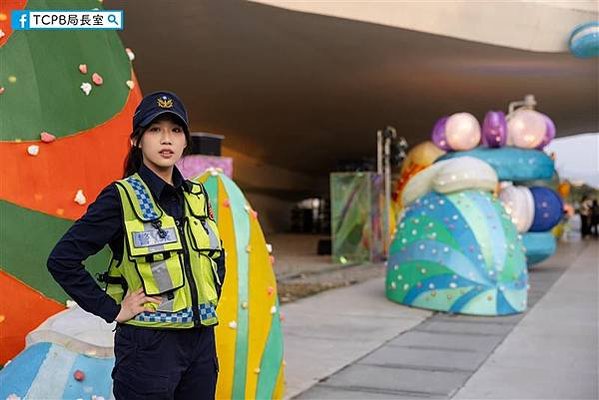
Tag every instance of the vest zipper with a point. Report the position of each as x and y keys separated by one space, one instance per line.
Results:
x=189 y=274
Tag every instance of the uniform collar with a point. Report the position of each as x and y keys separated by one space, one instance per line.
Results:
x=156 y=184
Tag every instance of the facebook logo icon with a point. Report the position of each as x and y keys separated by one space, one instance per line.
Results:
x=20 y=20
x=67 y=19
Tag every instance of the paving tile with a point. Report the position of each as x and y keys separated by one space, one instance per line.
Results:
x=456 y=326
x=425 y=358
x=435 y=383
x=446 y=340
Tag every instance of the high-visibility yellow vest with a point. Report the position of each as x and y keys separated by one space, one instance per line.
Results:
x=174 y=260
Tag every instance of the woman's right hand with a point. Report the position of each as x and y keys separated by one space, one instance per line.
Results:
x=133 y=304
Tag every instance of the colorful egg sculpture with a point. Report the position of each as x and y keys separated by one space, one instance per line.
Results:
x=549 y=209
x=539 y=246
x=458 y=253
x=494 y=130
x=511 y=163
x=519 y=204
x=80 y=143
x=526 y=128
x=249 y=337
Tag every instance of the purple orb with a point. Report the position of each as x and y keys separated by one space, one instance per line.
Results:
x=438 y=135
x=494 y=129
x=549 y=132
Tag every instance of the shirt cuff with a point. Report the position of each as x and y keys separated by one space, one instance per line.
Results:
x=110 y=311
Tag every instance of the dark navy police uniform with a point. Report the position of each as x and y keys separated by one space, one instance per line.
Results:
x=150 y=363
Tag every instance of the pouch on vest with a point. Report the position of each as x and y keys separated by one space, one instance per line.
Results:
x=209 y=278
x=204 y=231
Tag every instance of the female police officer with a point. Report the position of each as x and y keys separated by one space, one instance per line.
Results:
x=167 y=268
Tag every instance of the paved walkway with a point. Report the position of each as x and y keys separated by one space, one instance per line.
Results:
x=353 y=343
x=325 y=332
x=553 y=352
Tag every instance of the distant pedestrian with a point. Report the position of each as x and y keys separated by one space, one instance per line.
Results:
x=586 y=213
x=595 y=219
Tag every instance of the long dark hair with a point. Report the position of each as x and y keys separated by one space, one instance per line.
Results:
x=134 y=158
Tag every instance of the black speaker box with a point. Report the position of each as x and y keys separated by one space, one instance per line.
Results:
x=207 y=144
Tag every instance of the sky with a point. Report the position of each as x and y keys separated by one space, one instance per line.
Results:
x=577 y=157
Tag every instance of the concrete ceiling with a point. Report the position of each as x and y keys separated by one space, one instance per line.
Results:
x=302 y=91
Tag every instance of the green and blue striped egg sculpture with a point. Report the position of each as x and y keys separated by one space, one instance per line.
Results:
x=458 y=253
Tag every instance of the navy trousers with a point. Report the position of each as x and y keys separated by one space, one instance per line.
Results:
x=153 y=364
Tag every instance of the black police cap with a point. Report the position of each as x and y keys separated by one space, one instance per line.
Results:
x=156 y=104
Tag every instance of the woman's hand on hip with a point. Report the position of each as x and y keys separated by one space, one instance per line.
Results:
x=133 y=304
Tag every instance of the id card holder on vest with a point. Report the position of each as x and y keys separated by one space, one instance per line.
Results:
x=153 y=237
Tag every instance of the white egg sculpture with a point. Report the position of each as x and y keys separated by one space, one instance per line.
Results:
x=520 y=206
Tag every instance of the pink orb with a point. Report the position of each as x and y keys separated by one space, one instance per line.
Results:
x=526 y=128
x=462 y=131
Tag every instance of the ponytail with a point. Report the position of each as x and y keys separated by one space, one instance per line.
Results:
x=134 y=158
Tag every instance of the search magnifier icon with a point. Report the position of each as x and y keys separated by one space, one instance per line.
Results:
x=112 y=19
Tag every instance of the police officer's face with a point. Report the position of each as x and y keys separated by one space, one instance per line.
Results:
x=162 y=144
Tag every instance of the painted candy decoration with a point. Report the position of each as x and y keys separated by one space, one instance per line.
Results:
x=511 y=163
x=549 y=209
x=249 y=337
x=494 y=130
x=458 y=253
x=520 y=205
x=526 y=128
x=539 y=246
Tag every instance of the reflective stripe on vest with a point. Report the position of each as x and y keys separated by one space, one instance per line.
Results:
x=145 y=202
x=207 y=311
x=214 y=241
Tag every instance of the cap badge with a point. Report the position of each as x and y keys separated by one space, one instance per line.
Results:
x=165 y=102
